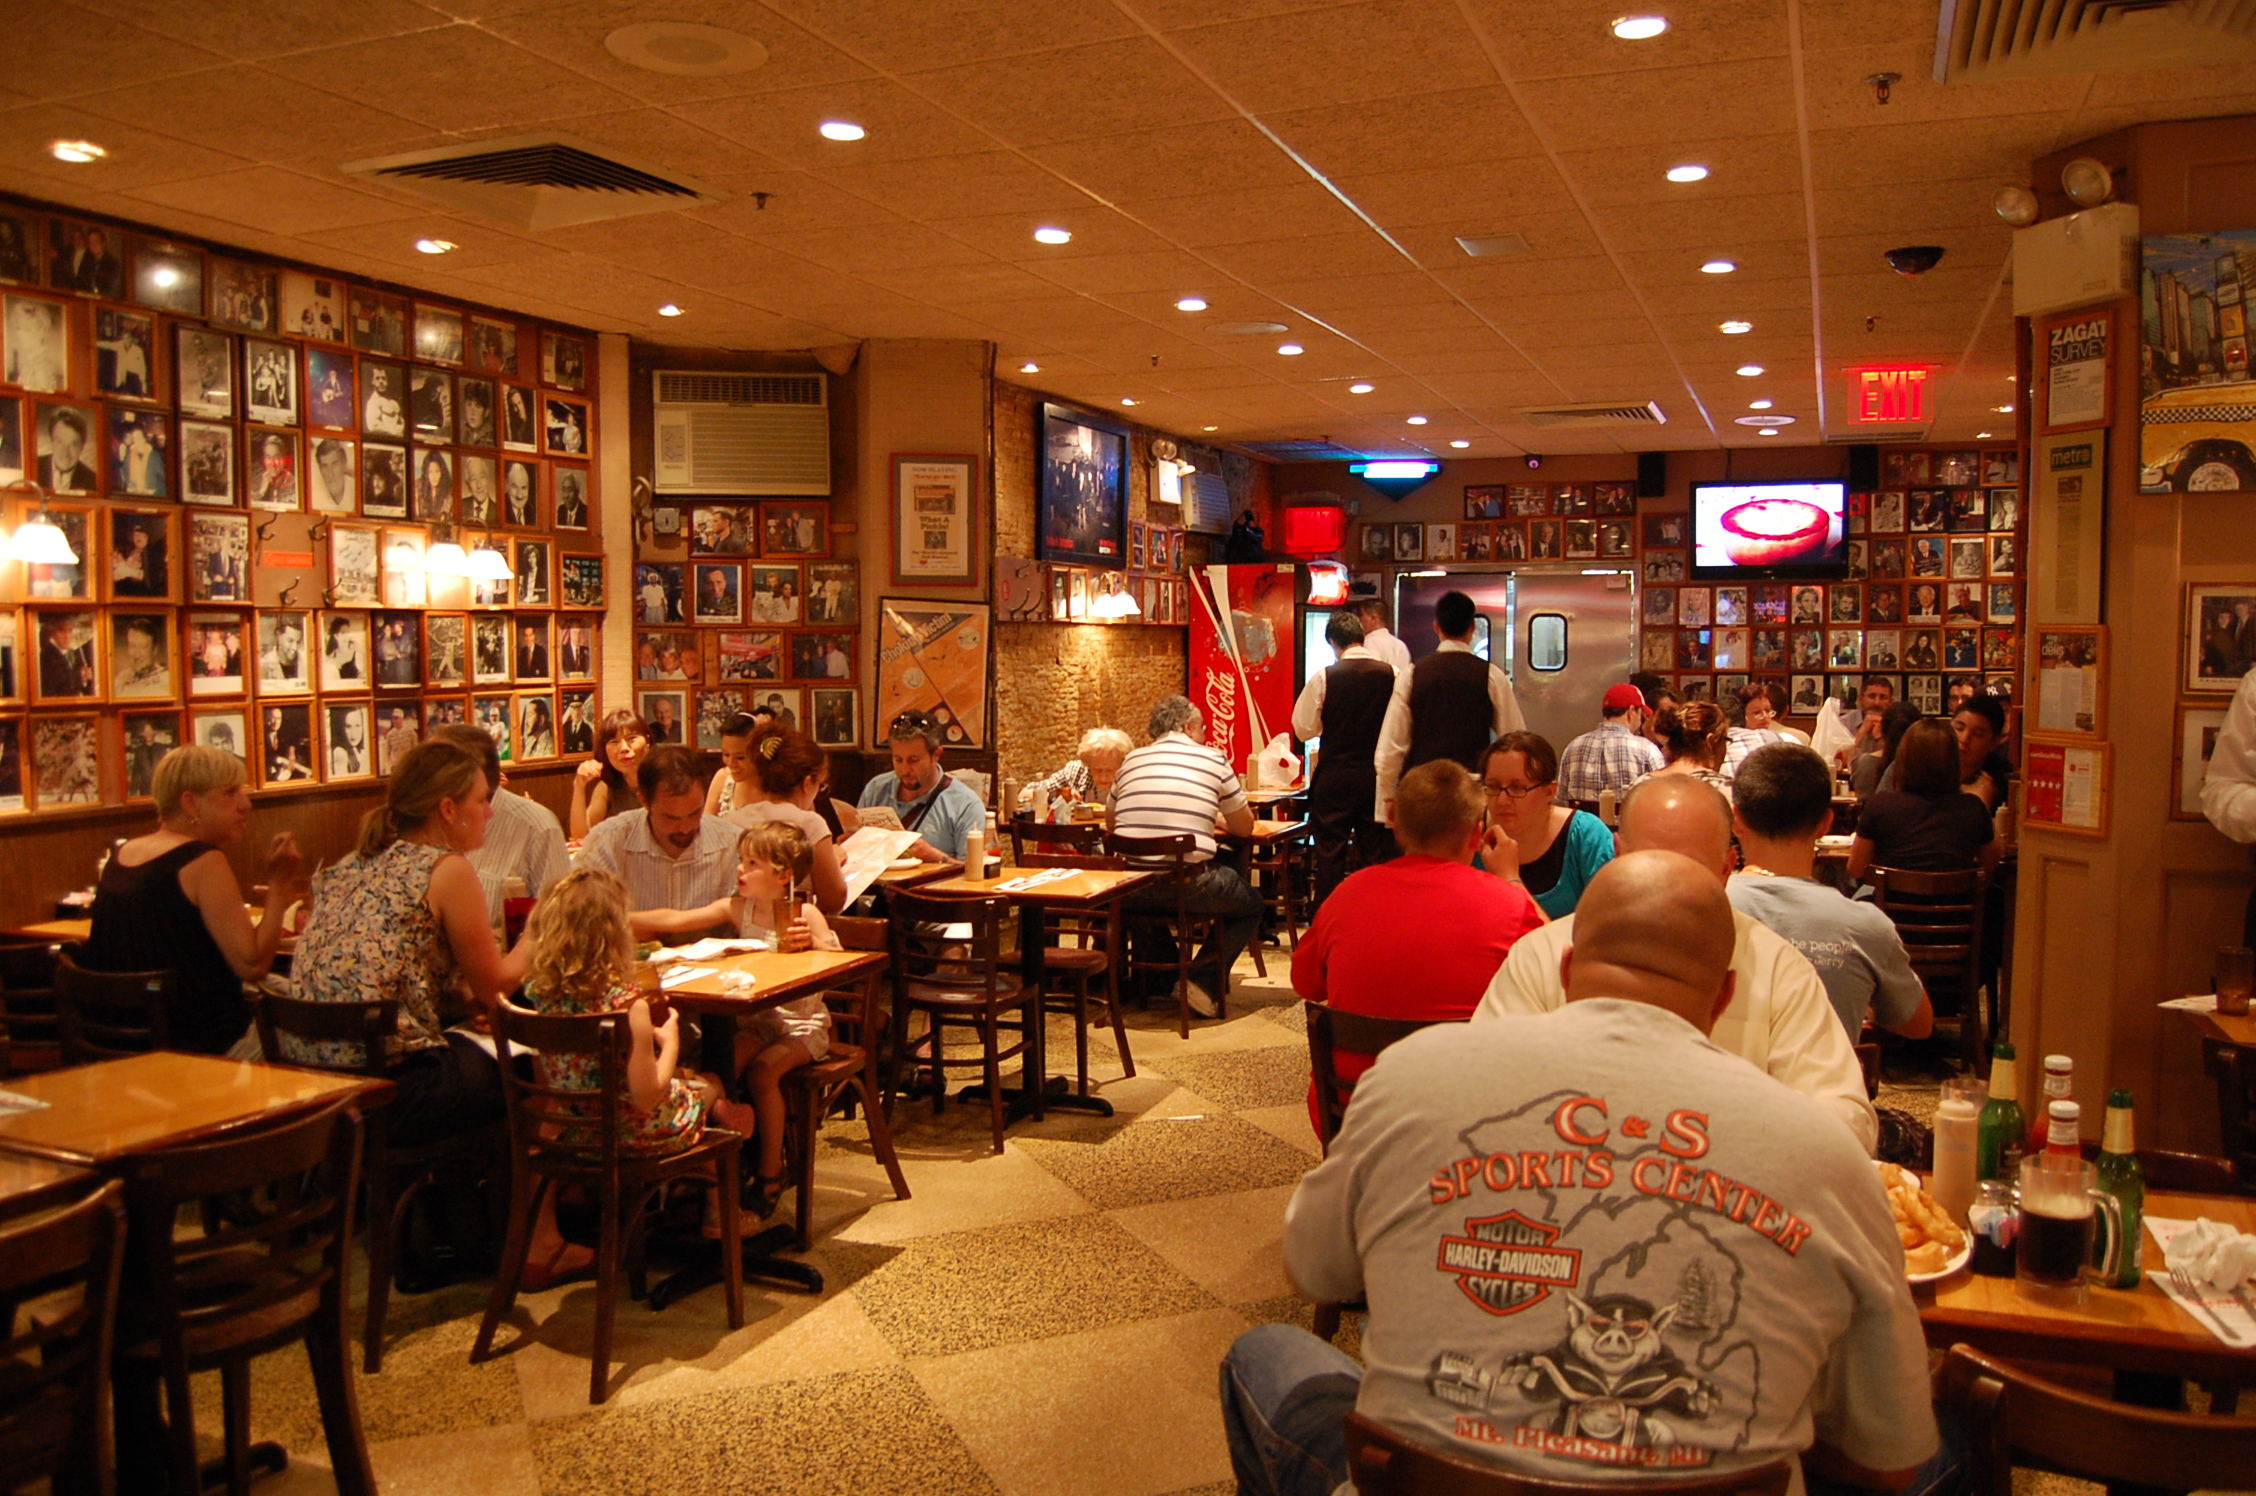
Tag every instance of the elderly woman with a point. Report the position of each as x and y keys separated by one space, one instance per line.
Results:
x=169 y=901
x=1089 y=775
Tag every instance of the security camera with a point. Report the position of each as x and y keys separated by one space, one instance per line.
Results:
x=1914 y=259
x=1534 y=461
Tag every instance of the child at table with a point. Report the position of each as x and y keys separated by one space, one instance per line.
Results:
x=774 y=858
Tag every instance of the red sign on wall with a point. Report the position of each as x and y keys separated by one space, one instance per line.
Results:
x=1890 y=394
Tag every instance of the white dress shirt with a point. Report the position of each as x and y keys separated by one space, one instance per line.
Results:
x=1387 y=647
x=523 y=840
x=1308 y=707
x=1394 y=734
x=2228 y=790
x=1779 y=1020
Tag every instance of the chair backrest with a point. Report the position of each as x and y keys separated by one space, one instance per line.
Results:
x=368 y=1024
x=1094 y=862
x=27 y=1003
x=580 y=1127
x=1938 y=916
x=858 y=932
x=1868 y=1061
x=105 y=1015
x=1383 y=1462
x=1046 y=836
x=925 y=953
x=2182 y=1173
x=59 y=1366
x=2233 y=1068
x=1169 y=856
x=1332 y=1029
x=278 y=1252
x=2014 y=1418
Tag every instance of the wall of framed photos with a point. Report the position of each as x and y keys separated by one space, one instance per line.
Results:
x=251 y=461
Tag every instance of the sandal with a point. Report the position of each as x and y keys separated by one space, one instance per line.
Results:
x=553 y=1273
x=764 y=1193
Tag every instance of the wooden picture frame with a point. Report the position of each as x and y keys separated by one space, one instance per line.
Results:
x=62 y=762
x=14 y=658
x=534 y=725
x=141 y=561
x=2069 y=691
x=936 y=657
x=2198 y=726
x=144 y=645
x=2076 y=369
x=935 y=520
x=2218 y=638
x=2066 y=784
x=348 y=759
x=834 y=716
x=66 y=667
x=795 y=530
x=57 y=581
x=146 y=736
x=289 y=744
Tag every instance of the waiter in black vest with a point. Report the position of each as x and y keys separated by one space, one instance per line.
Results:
x=1451 y=704
x=1345 y=706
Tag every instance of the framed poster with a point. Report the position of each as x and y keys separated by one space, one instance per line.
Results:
x=2071 y=684
x=2079 y=352
x=2220 y=636
x=933 y=657
x=933 y=518
x=2198 y=727
x=1081 y=516
x=2065 y=785
x=2197 y=427
x=2065 y=557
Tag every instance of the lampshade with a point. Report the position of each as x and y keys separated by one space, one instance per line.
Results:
x=489 y=565
x=1113 y=605
x=40 y=540
x=446 y=559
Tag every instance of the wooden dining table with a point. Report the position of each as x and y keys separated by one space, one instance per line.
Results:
x=97 y=1115
x=29 y=1184
x=83 y=929
x=2140 y=1329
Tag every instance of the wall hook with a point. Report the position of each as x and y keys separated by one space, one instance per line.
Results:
x=328 y=596
x=318 y=533
x=284 y=600
x=266 y=530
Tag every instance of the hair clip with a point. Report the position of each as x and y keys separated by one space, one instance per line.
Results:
x=772 y=746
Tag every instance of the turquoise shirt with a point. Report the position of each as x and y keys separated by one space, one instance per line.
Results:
x=1590 y=846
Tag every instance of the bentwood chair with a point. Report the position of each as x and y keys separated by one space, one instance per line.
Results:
x=1081 y=963
x=1276 y=867
x=1386 y=1462
x=392 y=1174
x=57 y=1365
x=272 y=1273
x=849 y=1069
x=1939 y=917
x=107 y=1015
x=560 y=1137
x=962 y=980
x=2013 y=1417
x=1082 y=838
x=27 y=1003
x=1153 y=925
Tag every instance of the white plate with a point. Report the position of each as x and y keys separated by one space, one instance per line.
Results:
x=901 y=864
x=1948 y=1268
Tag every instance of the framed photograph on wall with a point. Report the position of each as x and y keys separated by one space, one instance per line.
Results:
x=2198 y=727
x=350 y=732
x=837 y=717
x=2078 y=352
x=148 y=737
x=65 y=762
x=2065 y=785
x=2065 y=557
x=2071 y=683
x=2220 y=636
x=934 y=520
x=1081 y=515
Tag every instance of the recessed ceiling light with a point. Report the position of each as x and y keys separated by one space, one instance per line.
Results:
x=1758 y=405
x=1289 y=349
x=1460 y=443
x=1719 y=267
x=1640 y=28
x=1124 y=400
x=1046 y=235
x=1191 y=304
x=1687 y=173
x=1768 y=431
x=685 y=49
x=669 y=310
x=1750 y=370
x=1359 y=389
x=1417 y=421
x=2003 y=410
x=1981 y=436
x=1736 y=326
x=77 y=152
x=1030 y=367
x=434 y=246
x=1210 y=428
x=841 y=129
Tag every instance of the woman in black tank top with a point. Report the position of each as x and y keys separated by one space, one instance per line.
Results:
x=169 y=901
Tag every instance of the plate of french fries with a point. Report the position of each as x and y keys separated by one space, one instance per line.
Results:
x=1934 y=1245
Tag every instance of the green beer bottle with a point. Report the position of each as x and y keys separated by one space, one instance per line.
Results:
x=2119 y=1174
x=1997 y=1146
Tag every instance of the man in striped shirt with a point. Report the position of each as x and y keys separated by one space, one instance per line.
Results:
x=676 y=861
x=1175 y=786
x=523 y=840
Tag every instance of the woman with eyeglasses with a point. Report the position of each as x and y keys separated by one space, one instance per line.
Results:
x=786 y=780
x=605 y=783
x=1552 y=850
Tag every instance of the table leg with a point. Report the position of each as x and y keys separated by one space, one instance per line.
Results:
x=1056 y=1090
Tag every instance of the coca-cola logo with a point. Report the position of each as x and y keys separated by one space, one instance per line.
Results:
x=1221 y=706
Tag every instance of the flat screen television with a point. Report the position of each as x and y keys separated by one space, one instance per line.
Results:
x=1083 y=512
x=1792 y=528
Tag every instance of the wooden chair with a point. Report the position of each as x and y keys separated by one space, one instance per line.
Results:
x=107 y=1015
x=27 y=1003
x=1939 y=916
x=392 y=1174
x=2012 y=1417
x=1084 y=958
x=1274 y=867
x=1384 y=1462
x=2182 y=1173
x=570 y=1137
x=54 y=1397
x=1868 y=1061
x=274 y=1272
x=1085 y=838
x=965 y=982
x=849 y=1067
x=2233 y=1068
x=1329 y=1031
x=1172 y=857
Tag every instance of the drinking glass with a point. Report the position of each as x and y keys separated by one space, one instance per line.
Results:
x=2059 y=1204
x=2236 y=979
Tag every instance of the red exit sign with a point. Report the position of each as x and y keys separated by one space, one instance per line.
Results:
x=1891 y=394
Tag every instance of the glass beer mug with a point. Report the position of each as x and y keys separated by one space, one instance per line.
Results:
x=2060 y=1202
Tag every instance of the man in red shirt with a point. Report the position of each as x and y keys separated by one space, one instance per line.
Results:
x=1418 y=937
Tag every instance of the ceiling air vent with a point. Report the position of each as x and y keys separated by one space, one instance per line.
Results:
x=1978 y=41
x=1600 y=414
x=535 y=181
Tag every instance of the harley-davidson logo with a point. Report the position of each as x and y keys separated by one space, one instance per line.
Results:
x=1505 y=1263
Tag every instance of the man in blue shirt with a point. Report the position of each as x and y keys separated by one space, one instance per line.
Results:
x=941 y=810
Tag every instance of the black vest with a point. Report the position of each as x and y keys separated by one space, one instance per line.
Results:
x=1450 y=713
x=1356 y=693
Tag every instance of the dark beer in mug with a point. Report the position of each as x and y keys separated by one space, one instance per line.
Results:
x=2054 y=1250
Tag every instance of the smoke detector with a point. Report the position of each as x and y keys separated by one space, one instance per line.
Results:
x=685 y=49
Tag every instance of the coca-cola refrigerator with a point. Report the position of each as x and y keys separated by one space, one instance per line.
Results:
x=1245 y=667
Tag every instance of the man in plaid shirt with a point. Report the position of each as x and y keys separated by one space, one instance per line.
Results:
x=1611 y=756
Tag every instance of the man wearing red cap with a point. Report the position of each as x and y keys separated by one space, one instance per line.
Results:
x=1614 y=754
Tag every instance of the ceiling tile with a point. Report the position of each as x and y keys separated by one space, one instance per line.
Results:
x=1876 y=155
x=1413 y=133
x=1716 y=101
x=571 y=33
x=1637 y=175
x=1220 y=155
x=252 y=30
x=231 y=109
x=1712 y=225
x=390 y=241
x=945 y=33
x=64 y=49
x=1574 y=38
x=1352 y=54
x=794 y=201
x=270 y=198
x=1246 y=216
x=457 y=78
x=1317 y=255
x=1109 y=88
x=137 y=157
x=877 y=250
x=783 y=127
x=972 y=186
x=1144 y=277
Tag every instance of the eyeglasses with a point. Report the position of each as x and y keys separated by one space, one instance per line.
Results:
x=1511 y=791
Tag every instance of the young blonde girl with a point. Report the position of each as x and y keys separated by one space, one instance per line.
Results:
x=582 y=956
x=773 y=859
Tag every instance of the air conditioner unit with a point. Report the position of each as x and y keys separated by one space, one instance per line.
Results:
x=1206 y=503
x=740 y=433
x=2076 y=260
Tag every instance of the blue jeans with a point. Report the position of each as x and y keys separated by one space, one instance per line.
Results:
x=1216 y=889
x=1285 y=1400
